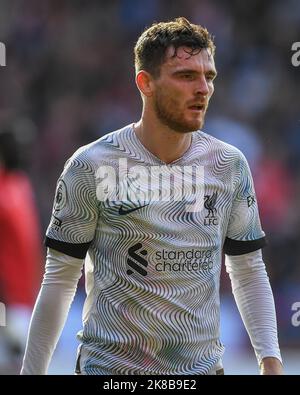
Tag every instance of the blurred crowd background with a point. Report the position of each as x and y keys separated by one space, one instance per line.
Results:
x=69 y=79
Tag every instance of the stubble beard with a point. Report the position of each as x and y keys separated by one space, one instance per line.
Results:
x=164 y=109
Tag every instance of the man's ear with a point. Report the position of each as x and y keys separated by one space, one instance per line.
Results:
x=144 y=82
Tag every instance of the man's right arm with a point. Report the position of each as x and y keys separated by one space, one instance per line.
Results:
x=69 y=234
x=51 y=310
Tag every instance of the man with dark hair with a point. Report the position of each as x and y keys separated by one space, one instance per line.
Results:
x=151 y=47
x=150 y=207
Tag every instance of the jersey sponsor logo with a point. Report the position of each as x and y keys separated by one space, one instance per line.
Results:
x=134 y=258
x=123 y=211
x=60 y=196
x=250 y=200
x=193 y=260
x=209 y=204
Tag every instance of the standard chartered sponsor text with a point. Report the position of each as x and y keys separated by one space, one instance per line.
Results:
x=183 y=261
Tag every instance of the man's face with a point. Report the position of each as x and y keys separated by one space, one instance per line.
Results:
x=183 y=89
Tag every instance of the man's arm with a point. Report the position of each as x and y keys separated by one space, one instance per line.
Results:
x=51 y=310
x=254 y=298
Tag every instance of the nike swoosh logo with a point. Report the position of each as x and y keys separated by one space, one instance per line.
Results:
x=124 y=212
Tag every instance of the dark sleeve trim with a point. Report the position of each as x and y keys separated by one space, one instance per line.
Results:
x=237 y=247
x=74 y=250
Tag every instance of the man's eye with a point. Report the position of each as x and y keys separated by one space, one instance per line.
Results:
x=210 y=77
x=187 y=76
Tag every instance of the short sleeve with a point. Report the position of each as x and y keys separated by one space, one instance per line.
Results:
x=75 y=210
x=244 y=232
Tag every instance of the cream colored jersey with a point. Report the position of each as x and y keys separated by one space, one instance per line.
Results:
x=152 y=266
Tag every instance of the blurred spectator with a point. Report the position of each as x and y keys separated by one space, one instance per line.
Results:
x=20 y=250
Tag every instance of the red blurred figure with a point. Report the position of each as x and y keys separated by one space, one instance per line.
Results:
x=20 y=251
x=20 y=254
x=275 y=191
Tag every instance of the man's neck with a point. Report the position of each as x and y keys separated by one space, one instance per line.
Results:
x=164 y=143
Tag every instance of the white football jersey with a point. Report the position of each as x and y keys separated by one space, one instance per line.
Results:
x=153 y=265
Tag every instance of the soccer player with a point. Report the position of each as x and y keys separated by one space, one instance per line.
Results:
x=153 y=255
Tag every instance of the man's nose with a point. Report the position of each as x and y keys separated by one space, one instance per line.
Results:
x=202 y=87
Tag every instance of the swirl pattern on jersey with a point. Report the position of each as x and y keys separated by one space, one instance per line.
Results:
x=153 y=268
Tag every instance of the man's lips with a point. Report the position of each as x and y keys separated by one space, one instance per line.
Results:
x=197 y=107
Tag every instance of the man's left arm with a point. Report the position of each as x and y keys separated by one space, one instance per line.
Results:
x=254 y=298
x=244 y=263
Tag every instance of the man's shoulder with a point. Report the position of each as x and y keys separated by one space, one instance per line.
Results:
x=219 y=147
x=102 y=149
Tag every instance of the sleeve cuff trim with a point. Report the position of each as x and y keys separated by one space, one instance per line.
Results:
x=237 y=247
x=74 y=250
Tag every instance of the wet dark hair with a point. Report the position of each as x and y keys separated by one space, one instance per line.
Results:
x=151 y=47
